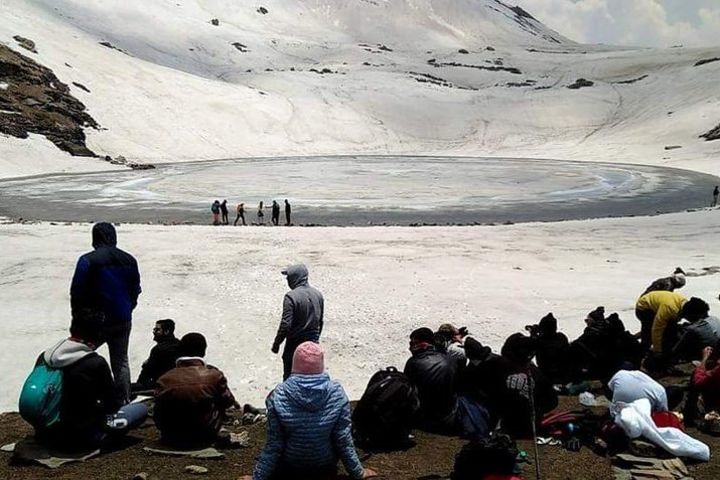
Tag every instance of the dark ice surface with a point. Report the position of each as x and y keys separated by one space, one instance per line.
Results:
x=362 y=190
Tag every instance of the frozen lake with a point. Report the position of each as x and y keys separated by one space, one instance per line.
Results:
x=362 y=191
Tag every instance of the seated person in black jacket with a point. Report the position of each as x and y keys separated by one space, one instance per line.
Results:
x=162 y=356
x=434 y=375
x=552 y=349
x=90 y=414
x=504 y=384
x=603 y=347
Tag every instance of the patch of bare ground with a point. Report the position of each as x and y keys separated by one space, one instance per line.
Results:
x=34 y=100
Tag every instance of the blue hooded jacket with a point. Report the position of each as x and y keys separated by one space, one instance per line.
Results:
x=308 y=428
x=106 y=279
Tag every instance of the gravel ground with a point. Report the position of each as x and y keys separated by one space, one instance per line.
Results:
x=431 y=458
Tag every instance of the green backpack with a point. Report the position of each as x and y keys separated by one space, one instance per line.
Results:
x=41 y=395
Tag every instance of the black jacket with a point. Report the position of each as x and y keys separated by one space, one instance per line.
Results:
x=161 y=360
x=491 y=384
x=87 y=395
x=106 y=279
x=435 y=375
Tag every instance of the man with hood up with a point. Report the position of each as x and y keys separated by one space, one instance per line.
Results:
x=302 y=317
x=552 y=348
x=108 y=280
x=88 y=407
x=308 y=425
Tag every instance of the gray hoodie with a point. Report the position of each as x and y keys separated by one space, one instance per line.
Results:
x=303 y=305
x=65 y=353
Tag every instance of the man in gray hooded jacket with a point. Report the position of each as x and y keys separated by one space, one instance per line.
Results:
x=302 y=317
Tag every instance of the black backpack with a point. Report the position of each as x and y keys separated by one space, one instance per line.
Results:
x=496 y=454
x=385 y=414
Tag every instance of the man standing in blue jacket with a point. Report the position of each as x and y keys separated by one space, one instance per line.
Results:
x=107 y=280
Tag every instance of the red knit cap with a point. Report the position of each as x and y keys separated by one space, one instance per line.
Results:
x=308 y=359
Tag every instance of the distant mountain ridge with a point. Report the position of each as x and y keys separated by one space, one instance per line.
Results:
x=199 y=79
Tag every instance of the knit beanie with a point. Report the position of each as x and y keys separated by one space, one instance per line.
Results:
x=308 y=359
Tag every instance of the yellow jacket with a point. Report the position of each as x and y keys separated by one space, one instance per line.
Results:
x=667 y=306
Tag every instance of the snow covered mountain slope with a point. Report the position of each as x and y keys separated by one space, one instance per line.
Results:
x=195 y=79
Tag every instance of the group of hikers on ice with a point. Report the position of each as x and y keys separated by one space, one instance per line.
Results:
x=220 y=208
x=452 y=384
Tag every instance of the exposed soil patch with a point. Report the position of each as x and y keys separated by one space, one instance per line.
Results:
x=707 y=60
x=431 y=458
x=713 y=134
x=632 y=80
x=25 y=43
x=580 y=83
x=427 y=78
x=36 y=101
x=512 y=70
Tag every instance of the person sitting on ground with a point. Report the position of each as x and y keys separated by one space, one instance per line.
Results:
x=588 y=354
x=552 y=349
x=162 y=356
x=434 y=374
x=658 y=312
x=702 y=330
x=449 y=339
x=308 y=425
x=504 y=384
x=191 y=399
x=624 y=348
x=668 y=284
x=85 y=413
x=704 y=383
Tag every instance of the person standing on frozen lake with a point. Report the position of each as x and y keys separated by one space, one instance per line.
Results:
x=260 y=214
x=107 y=280
x=302 y=317
x=275 y=213
x=240 y=214
x=287 y=213
x=716 y=192
x=224 y=210
x=215 y=209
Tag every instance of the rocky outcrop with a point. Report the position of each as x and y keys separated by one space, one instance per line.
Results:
x=580 y=83
x=713 y=134
x=36 y=101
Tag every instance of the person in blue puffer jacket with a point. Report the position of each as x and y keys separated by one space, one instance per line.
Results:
x=309 y=426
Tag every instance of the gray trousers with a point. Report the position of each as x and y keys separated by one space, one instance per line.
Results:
x=117 y=338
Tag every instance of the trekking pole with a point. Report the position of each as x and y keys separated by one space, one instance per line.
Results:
x=531 y=390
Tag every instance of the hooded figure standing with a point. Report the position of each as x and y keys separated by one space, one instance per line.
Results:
x=302 y=317
x=107 y=280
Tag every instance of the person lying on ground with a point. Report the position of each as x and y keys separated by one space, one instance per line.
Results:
x=552 y=349
x=69 y=398
x=308 y=427
x=302 y=316
x=505 y=383
x=434 y=374
x=705 y=384
x=162 y=356
x=702 y=331
x=191 y=399
x=108 y=280
x=669 y=284
x=658 y=312
x=628 y=385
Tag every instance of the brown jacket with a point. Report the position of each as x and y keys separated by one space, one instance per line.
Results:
x=190 y=402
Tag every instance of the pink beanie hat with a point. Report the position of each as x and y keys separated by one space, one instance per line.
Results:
x=308 y=359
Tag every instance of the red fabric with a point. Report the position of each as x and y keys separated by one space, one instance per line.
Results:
x=492 y=476
x=667 y=419
x=708 y=382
